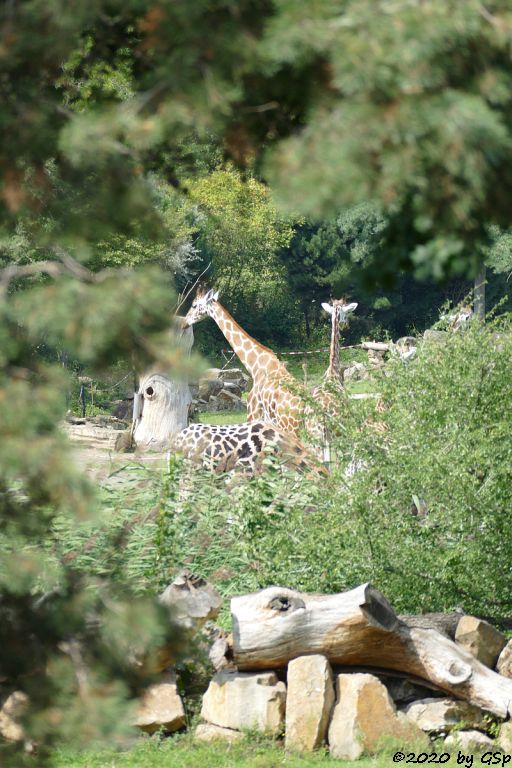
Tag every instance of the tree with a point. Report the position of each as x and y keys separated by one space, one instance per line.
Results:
x=411 y=111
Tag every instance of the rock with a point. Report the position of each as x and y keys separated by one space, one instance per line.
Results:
x=403 y=691
x=468 y=741
x=212 y=373
x=209 y=388
x=192 y=601
x=161 y=706
x=481 y=639
x=229 y=398
x=234 y=374
x=208 y=732
x=435 y=335
x=504 y=663
x=309 y=701
x=239 y=700
x=13 y=707
x=234 y=388
x=355 y=372
x=123 y=409
x=504 y=740
x=220 y=652
x=376 y=358
x=442 y=715
x=363 y=715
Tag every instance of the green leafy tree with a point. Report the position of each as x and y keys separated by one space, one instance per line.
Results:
x=411 y=112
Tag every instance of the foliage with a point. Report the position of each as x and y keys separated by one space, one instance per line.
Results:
x=424 y=517
x=67 y=632
x=239 y=235
x=411 y=112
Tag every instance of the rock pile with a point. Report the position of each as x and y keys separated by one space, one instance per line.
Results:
x=220 y=390
x=314 y=704
x=352 y=713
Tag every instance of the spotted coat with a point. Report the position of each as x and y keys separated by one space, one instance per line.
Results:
x=226 y=447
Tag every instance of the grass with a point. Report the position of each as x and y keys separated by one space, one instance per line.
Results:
x=222 y=417
x=183 y=752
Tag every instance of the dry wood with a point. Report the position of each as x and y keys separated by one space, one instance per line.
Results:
x=161 y=406
x=376 y=346
x=358 y=628
x=446 y=623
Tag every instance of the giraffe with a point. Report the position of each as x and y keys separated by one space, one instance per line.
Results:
x=275 y=396
x=323 y=393
x=226 y=447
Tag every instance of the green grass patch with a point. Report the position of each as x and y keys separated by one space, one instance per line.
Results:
x=183 y=752
x=222 y=417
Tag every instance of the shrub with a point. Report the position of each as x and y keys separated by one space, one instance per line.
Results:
x=426 y=516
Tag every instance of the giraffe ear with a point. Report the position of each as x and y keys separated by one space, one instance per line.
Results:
x=350 y=307
x=215 y=295
x=209 y=296
x=327 y=307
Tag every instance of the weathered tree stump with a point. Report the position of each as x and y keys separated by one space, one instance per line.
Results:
x=358 y=628
x=161 y=405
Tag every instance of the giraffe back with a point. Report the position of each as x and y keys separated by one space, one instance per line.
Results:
x=226 y=447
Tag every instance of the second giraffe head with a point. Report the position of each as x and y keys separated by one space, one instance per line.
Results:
x=201 y=306
x=339 y=310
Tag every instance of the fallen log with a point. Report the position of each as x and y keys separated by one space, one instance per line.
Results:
x=358 y=628
x=375 y=346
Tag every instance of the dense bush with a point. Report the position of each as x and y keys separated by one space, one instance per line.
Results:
x=426 y=516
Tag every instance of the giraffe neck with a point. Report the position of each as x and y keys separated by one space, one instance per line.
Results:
x=333 y=371
x=251 y=353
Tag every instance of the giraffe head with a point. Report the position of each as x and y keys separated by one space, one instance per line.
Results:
x=201 y=306
x=339 y=310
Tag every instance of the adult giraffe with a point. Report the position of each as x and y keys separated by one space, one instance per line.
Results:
x=272 y=398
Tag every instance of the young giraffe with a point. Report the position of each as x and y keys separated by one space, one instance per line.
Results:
x=225 y=447
x=339 y=312
x=332 y=380
x=271 y=398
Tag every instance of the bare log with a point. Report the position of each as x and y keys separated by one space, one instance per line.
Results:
x=445 y=623
x=358 y=628
x=375 y=346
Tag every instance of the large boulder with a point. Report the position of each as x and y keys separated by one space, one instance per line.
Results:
x=239 y=700
x=161 y=707
x=504 y=741
x=191 y=601
x=364 y=715
x=209 y=388
x=235 y=375
x=355 y=372
x=481 y=639
x=504 y=663
x=309 y=701
x=442 y=715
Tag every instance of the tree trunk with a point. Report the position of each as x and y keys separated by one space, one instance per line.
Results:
x=479 y=302
x=162 y=406
x=306 y=320
x=358 y=628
